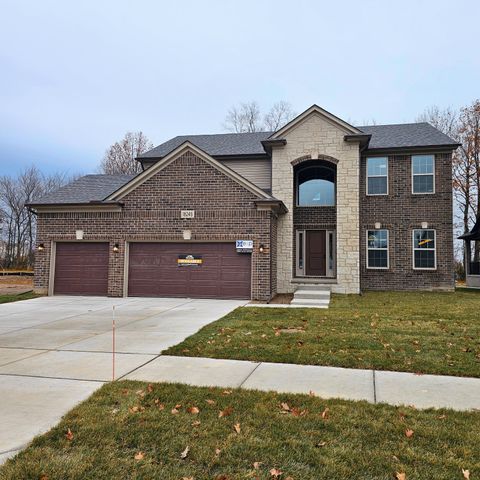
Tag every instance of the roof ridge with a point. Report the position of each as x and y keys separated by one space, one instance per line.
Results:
x=394 y=124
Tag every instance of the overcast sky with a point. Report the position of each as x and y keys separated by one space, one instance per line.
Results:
x=75 y=76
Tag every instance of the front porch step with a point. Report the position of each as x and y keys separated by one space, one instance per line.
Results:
x=312 y=296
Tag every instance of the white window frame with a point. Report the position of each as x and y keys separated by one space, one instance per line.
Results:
x=367 y=176
x=413 y=175
x=415 y=249
x=387 y=249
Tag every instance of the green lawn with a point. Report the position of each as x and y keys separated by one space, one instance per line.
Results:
x=127 y=431
x=436 y=333
x=16 y=298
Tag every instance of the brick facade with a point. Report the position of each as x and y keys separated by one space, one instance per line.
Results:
x=400 y=212
x=224 y=211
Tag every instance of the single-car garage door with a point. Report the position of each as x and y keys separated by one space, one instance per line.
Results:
x=81 y=268
x=196 y=270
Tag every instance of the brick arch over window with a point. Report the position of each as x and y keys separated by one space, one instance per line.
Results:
x=307 y=158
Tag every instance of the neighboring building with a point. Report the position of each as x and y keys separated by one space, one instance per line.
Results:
x=322 y=201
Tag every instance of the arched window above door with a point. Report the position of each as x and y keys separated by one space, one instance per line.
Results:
x=315 y=186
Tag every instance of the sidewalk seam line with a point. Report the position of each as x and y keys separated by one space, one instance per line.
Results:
x=250 y=374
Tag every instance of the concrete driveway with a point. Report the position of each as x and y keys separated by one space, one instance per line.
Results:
x=56 y=351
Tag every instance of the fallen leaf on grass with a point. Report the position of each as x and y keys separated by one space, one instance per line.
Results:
x=193 y=410
x=217 y=452
x=43 y=477
x=184 y=454
x=237 y=427
x=211 y=402
x=466 y=474
x=196 y=423
x=187 y=478
x=149 y=388
x=140 y=393
x=225 y=413
x=139 y=456
x=285 y=407
x=69 y=435
x=227 y=392
x=275 y=472
x=325 y=413
x=401 y=476
x=321 y=444
x=409 y=433
x=176 y=409
x=256 y=465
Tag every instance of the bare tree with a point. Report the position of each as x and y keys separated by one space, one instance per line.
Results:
x=120 y=157
x=17 y=227
x=279 y=115
x=446 y=120
x=244 y=118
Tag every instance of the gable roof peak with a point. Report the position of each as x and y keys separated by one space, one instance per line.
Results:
x=315 y=109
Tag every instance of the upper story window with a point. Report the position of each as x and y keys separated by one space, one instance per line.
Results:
x=423 y=174
x=316 y=186
x=377 y=176
x=424 y=250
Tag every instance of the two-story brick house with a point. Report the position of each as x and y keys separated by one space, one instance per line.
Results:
x=319 y=201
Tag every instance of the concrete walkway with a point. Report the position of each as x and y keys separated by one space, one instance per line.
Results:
x=394 y=388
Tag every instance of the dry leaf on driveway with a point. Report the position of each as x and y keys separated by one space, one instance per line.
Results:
x=69 y=435
x=184 y=454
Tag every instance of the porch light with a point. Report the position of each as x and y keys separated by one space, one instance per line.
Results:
x=116 y=248
x=424 y=225
x=41 y=247
x=261 y=248
x=378 y=226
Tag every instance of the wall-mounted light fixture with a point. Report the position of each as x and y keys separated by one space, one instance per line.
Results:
x=79 y=234
x=187 y=234
x=261 y=248
x=424 y=225
x=41 y=247
x=116 y=248
x=378 y=226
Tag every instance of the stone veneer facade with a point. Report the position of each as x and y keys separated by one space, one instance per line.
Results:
x=318 y=138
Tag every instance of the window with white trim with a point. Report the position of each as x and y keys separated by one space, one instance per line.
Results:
x=424 y=249
x=377 y=176
x=423 y=174
x=377 y=249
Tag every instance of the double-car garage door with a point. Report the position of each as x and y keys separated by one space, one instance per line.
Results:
x=195 y=270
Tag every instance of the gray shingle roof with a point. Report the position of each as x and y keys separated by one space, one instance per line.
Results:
x=89 y=188
x=405 y=135
x=216 y=144
x=383 y=136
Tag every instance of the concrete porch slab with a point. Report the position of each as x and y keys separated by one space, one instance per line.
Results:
x=207 y=372
x=326 y=382
x=425 y=391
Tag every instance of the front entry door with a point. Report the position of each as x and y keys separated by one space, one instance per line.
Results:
x=316 y=253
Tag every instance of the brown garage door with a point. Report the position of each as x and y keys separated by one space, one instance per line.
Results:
x=81 y=268
x=154 y=270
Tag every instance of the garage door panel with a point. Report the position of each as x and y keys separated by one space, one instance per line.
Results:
x=81 y=268
x=154 y=271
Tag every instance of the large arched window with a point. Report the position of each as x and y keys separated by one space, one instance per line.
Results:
x=315 y=186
